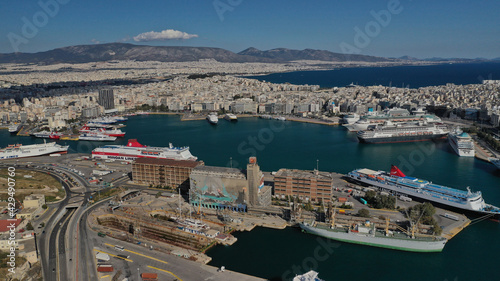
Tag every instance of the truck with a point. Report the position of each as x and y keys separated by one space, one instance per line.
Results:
x=149 y=276
x=405 y=198
x=102 y=256
x=105 y=268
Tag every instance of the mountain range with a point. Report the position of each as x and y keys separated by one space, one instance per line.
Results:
x=125 y=51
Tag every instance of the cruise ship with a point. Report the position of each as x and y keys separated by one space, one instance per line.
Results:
x=231 y=117
x=398 y=182
x=96 y=137
x=395 y=115
x=213 y=119
x=14 y=128
x=134 y=150
x=404 y=132
x=461 y=143
x=21 y=151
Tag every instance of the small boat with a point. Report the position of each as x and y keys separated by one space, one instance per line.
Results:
x=230 y=117
x=213 y=119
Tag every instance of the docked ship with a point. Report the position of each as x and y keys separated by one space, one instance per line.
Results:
x=367 y=234
x=21 y=151
x=96 y=137
x=311 y=275
x=394 y=115
x=495 y=161
x=265 y=116
x=14 y=128
x=213 y=119
x=405 y=132
x=108 y=120
x=461 y=143
x=134 y=150
x=398 y=182
x=105 y=130
x=47 y=135
x=231 y=117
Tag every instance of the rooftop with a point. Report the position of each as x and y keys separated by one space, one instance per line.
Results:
x=304 y=174
x=215 y=169
x=168 y=162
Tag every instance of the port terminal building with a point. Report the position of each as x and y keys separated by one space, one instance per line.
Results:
x=233 y=189
x=164 y=172
x=315 y=186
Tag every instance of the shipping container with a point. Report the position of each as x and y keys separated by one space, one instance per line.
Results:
x=149 y=276
x=105 y=268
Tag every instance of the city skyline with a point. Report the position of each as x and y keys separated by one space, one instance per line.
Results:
x=386 y=28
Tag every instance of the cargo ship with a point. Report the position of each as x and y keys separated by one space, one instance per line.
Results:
x=21 y=151
x=461 y=143
x=366 y=233
x=399 y=183
x=134 y=150
x=405 y=132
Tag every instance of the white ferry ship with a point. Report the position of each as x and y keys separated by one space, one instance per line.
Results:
x=461 y=143
x=134 y=150
x=405 y=132
x=21 y=151
x=231 y=117
x=398 y=182
x=213 y=119
x=96 y=137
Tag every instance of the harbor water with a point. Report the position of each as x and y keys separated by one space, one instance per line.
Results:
x=276 y=254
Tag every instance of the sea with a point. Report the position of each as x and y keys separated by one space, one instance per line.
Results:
x=397 y=76
x=281 y=254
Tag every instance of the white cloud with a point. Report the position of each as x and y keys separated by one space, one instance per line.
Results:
x=95 y=41
x=168 y=34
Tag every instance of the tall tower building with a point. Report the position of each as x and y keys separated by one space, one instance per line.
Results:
x=255 y=180
x=106 y=98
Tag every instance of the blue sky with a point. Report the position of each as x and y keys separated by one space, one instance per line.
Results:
x=420 y=29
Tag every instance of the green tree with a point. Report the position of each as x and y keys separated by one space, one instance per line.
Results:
x=364 y=213
x=44 y=206
x=29 y=226
x=158 y=194
x=308 y=206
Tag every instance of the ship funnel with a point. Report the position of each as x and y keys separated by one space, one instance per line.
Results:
x=395 y=171
x=134 y=143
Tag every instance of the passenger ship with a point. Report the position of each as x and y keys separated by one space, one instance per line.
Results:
x=134 y=150
x=21 y=151
x=398 y=182
x=461 y=143
x=407 y=132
